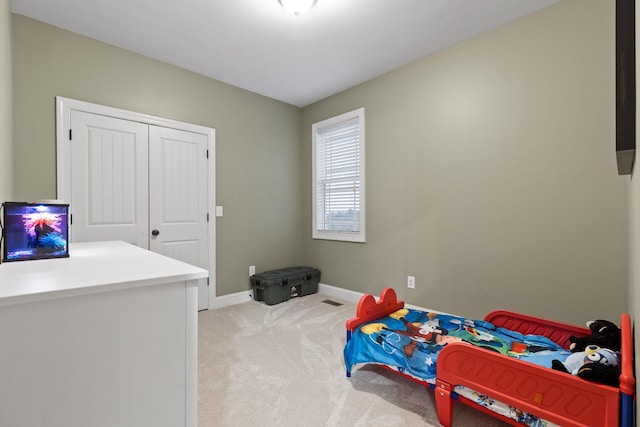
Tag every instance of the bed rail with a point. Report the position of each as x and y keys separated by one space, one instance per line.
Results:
x=526 y=324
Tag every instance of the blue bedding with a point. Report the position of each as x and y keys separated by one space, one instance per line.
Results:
x=409 y=340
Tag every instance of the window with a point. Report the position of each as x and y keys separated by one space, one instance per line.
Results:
x=338 y=178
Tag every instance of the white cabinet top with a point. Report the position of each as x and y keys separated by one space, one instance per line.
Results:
x=91 y=267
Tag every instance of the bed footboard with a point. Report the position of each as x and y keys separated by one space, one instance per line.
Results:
x=551 y=395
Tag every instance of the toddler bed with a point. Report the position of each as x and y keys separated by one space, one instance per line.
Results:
x=505 y=370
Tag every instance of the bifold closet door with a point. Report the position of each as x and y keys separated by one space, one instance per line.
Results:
x=143 y=184
x=109 y=179
x=178 y=198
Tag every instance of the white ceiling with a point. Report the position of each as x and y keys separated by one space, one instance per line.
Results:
x=258 y=46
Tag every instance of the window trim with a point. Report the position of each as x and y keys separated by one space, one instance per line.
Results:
x=347 y=236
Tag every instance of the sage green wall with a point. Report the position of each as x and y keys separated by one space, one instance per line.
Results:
x=634 y=224
x=491 y=173
x=634 y=250
x=257 y=138
x=6 y=121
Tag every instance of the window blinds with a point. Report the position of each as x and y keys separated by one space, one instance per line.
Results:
x=338 y=177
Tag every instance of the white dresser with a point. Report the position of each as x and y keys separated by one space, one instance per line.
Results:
x=106 y=337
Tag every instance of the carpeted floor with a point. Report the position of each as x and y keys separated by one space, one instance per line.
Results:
x=282 y=365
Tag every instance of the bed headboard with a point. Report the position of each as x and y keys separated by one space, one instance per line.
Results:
x=368 y=309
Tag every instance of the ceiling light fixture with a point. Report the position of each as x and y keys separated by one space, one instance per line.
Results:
x=297 y=7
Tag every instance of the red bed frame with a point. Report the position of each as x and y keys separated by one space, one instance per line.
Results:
x=551 y=395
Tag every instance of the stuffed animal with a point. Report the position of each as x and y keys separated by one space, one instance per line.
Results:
x=604 y=334
x=596 y=364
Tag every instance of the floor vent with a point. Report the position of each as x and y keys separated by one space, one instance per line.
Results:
x=334 y=303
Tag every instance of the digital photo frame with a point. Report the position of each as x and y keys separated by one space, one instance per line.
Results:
x=34 y=231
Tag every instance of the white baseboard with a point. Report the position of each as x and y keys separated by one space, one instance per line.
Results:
x=354 y=297
x=340 y=293
x=232 y=299
x=245 y=296
x=324 y=289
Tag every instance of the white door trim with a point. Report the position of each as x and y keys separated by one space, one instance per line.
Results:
x=64 y=106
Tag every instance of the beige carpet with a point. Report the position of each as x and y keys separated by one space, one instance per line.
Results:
x=282 y=365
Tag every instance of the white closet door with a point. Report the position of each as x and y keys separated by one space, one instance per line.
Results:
x=109 y=179
x=178 y=198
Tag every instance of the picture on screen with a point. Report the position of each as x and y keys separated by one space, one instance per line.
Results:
x=35 y=231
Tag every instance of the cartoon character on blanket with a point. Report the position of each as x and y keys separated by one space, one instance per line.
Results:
x=430 y=332
x=410 y=340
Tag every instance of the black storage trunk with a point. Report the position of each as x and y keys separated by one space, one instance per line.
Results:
x=280 y=285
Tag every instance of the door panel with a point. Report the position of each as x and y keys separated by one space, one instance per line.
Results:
x=183 y=251
x=109 y=179
x=178 y=199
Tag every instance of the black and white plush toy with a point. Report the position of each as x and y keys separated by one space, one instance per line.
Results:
x=604 y=334
x=600 y=365
x=595 y=357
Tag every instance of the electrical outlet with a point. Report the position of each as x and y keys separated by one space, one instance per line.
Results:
x=411 y=282
x=252 y=270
